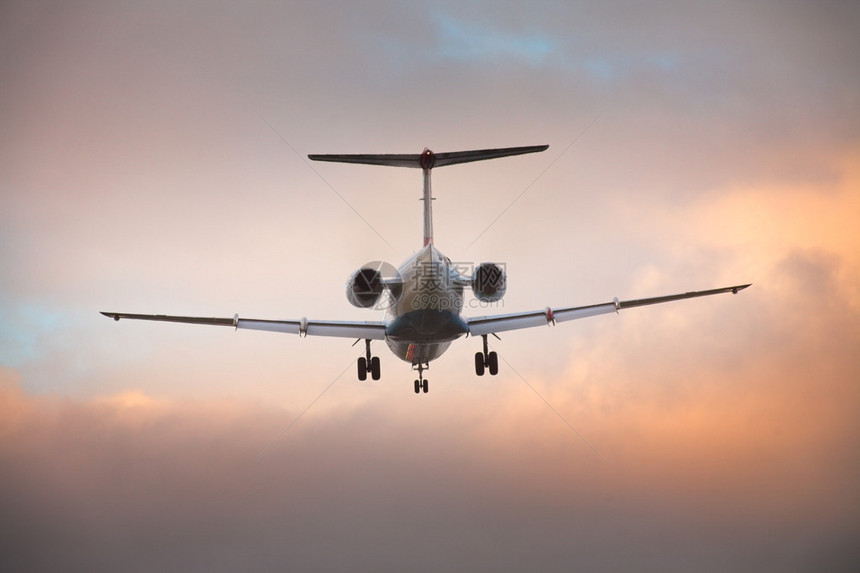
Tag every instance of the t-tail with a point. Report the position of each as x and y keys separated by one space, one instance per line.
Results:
x=426 y=161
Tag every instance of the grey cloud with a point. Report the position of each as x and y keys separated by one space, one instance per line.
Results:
x=203 y=486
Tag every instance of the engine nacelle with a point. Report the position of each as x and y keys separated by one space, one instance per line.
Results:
x=364 y=287
x=489 y=282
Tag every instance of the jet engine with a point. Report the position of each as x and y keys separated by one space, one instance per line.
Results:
x=364 y=287
x=489 y=282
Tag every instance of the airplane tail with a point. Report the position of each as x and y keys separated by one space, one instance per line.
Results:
x=426 y=161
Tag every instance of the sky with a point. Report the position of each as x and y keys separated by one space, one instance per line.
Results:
x=153 y=160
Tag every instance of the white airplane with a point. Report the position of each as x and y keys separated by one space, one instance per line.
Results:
x=424 y=297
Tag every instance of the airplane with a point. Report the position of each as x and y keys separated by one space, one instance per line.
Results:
x=423 y=298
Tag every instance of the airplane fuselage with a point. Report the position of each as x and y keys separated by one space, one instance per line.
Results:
x=425 y=318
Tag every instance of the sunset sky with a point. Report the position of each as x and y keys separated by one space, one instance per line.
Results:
x=153 y=160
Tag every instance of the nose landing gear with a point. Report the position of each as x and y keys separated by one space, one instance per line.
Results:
x=486 y=359
x=421 y=384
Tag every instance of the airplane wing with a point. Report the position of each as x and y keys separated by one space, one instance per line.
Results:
x=303 y=327
x=502 y=322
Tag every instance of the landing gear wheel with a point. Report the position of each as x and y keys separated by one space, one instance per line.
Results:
x=425 y=386
x=417 y=386
x=479 y=363
x=493 y=363
x=374 y=368
x=362 y=368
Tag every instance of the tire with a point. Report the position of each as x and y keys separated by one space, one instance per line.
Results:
x=417 y=386
x=493 y=363
x=375 y=368
x=479 y=363
x=362 y=368
x=426 y=386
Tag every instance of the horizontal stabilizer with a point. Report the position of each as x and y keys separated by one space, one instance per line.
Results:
x=455 y=157
x=428 y=159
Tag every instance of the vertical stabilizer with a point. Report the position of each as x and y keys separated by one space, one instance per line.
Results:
x=427 y=161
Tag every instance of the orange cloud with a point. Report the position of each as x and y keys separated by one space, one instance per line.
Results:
x=707 y=450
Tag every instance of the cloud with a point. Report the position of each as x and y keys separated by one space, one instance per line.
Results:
x=733 y=465
x=21 y=330
x=137 y=175
x=482 y=44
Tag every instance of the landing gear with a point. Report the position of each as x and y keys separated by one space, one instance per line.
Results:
x=421 y=384
x=486 y=359
x=369 y=364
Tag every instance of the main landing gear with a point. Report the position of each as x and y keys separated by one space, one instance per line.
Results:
x=485 y=359
x=421 y=383
x=368 y=364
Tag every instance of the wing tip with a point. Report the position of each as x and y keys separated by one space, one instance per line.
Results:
x=112 y=315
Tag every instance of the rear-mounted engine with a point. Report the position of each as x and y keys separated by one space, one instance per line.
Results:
x=364 y=287
x=489 y=282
